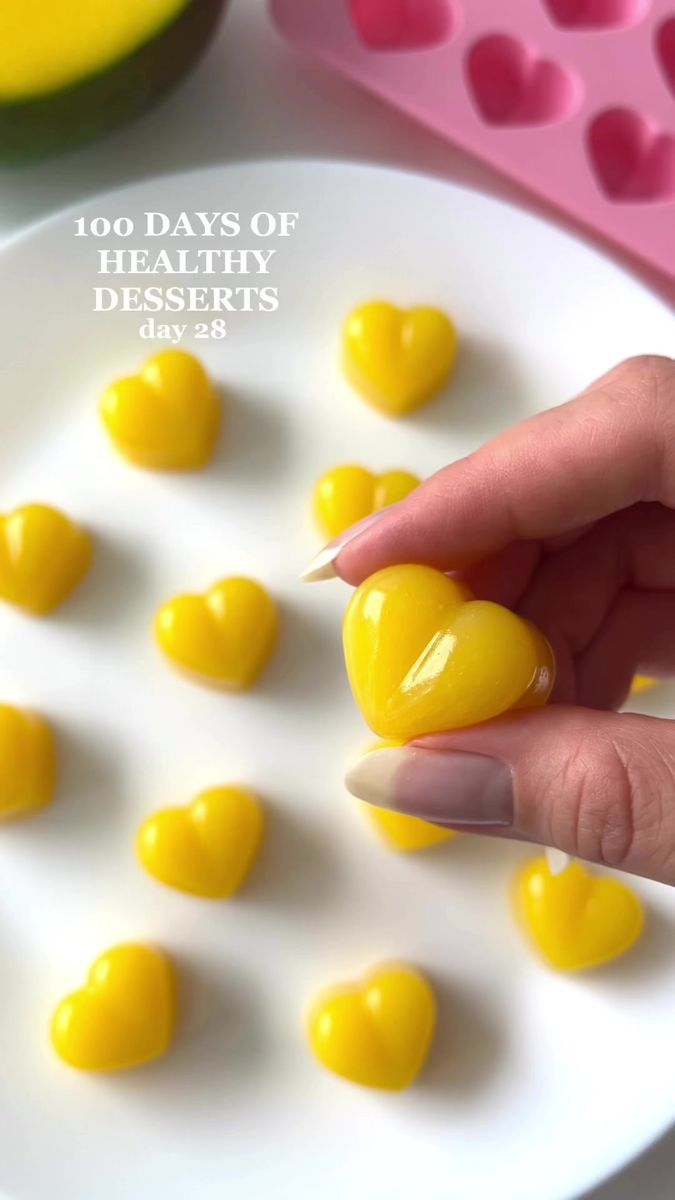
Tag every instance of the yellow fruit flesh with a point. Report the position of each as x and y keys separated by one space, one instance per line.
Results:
x=45 y=46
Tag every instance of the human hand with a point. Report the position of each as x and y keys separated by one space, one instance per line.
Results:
x=568 y=518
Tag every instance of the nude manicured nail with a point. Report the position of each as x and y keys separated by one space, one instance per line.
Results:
x=322 y=566
x=557 y=860
x=448 y=786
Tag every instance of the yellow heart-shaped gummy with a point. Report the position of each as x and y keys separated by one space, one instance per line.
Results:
x=403 y=833
x=398 y=360
x=123 y=1016
x=27 y=762
x=400 y=831
x=347 y=494
x=167 y=417
x=43 y=556
x=377 y=1032
x=575 y=919
x=643 y=683
x=209 y=847
x=224 y=637
x=423 y=656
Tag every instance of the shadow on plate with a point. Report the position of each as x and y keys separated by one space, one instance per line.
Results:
x=219 y=1044
x=252 y=442
x=652 y=953
x=307 y=667
x=649 y=1177
x=468 y=1045
x=102 y=600
x=296 y=871
x=88 y=791
x=484 y=394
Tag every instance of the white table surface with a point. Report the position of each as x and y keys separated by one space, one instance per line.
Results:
x=254 y=97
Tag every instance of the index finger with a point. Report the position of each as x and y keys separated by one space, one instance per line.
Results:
x=549 y=475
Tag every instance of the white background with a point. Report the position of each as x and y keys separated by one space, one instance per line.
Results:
x=253 y=97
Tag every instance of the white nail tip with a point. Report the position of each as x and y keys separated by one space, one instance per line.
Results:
x=321 y=566
x=371 y=777
x=557 y=860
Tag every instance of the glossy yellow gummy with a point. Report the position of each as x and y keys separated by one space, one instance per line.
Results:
x=401 y=832
x=209 y=847
x=167 y=417
x=123 y=1016
x=347 y=494
x=43 y=557
x=397 y=359
x=27 y=762
x=376 y=1032
x=224 y=637
x=577 y=920
x=643 y=683
x=424 y=656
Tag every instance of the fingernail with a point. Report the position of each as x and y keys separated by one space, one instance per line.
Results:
x=558 y=861
x=447 y=786
x=322 y=566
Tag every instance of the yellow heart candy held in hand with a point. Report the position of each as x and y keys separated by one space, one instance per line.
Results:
x=123 y=1016
x=209 y=847
x=424 y=656
x=43 y=557
x=167 y=417
x=377 y=1032
x=398 y=830
x=575 y=919
x=398 y=360
x=27 y=762
x=347 y=494
x=224 y=637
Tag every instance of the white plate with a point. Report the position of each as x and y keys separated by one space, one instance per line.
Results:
x=538 y=1085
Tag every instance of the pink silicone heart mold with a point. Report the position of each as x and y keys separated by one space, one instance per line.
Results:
x=511 y=85
x=596 y=14
x=665 y=48
x=632 y=159
x=402 y=24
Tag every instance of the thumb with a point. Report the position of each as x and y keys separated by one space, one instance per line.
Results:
x=597 y=785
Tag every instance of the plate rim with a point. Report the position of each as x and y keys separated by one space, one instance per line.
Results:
x=16 y=241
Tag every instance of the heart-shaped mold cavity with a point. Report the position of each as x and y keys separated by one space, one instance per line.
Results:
x=402 y=24
x=665 y=49
x=511 y=85
x=632 y=159
x=596 y=14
